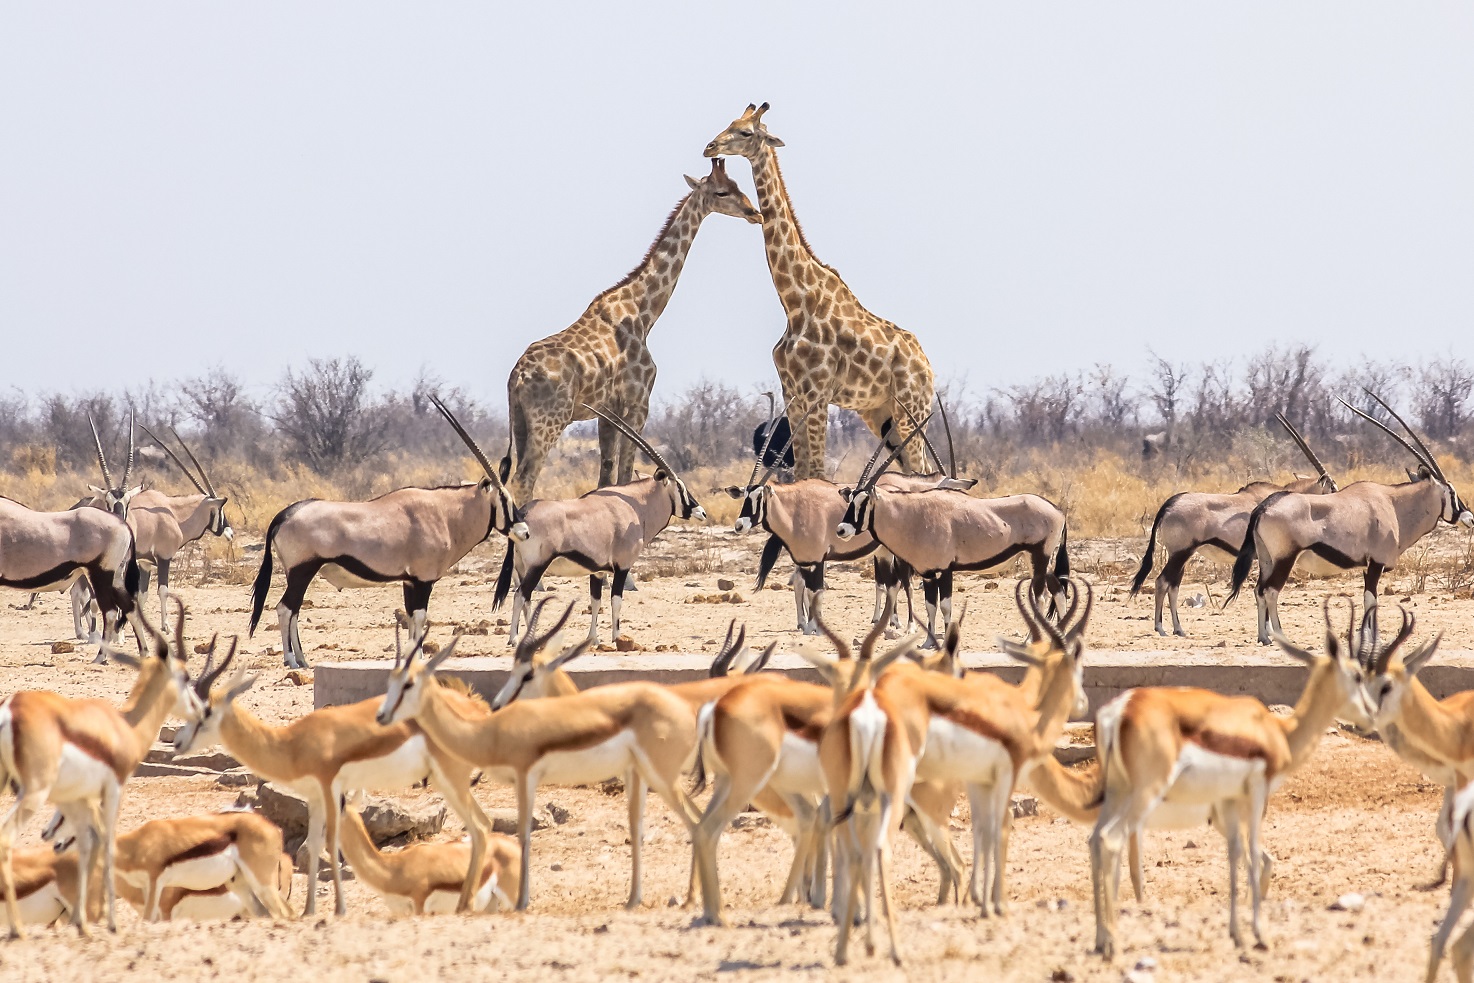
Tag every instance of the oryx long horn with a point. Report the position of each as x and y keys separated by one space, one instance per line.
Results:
x=930 y=448
x=107 y=475
x=921 y=428
x=175 y=458
x=1417 y=454
x=620 y=424
x=762 y=455
x=951 y=449
x=474 y=447
x=128 y=468
x=204 y=475
x=1428 y=457
x=772 y=470
x=1305 y=448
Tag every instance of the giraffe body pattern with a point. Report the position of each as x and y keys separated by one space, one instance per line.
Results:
x=833 y=351
x=602 y=358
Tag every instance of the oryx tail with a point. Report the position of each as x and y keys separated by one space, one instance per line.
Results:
x=1149 y=556
x=263 y=575
x=1244 y=562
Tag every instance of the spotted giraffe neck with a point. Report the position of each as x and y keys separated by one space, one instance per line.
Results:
x=782 y=235
x=649 y=285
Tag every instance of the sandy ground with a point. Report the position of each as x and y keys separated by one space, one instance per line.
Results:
x=1354 y=819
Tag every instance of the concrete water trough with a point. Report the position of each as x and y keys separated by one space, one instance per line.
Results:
x=1269 y=676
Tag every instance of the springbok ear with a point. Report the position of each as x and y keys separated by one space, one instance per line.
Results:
x=761 y=662
x=445 y=653
x=734 y=492
x=1292 y=650
x=237 y=688
x=1019 y=652
x=827 y=665
x=906 y=646
x=692 y=181
x=567 y=656
x=1420 y=658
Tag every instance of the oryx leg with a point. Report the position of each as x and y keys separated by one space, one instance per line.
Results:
x=1169 y=581
x=618 y=582
x=596 y=602
x=81 y=596
x=522 y=598
x=800 y=600
x=884 y=576
x=930 y=589
x=1370 y=579
x=287 y=610
x=813 y=578
x=610 y=442
x=944 y=597
x=163 y=587
x=417 y=604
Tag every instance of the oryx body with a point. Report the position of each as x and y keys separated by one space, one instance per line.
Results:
x=603 y=532
x=937 y=533
x=1192 y=521
x=409 y=536
x=49 y=551
x=1366 y=525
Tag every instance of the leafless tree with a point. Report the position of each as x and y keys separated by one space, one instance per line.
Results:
x=1443 y=391
x=327 y=416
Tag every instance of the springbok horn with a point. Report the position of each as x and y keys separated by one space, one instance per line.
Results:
x=1427 y=454
x=1417 y=454
x=1305 y=448
x=1403 y=634
x=872 y=637
x=530 y=645
x=1036 y=634
x=107 y=475
x=206 y=682
x=175 y=458
x=475 y=448
x=1056 y=636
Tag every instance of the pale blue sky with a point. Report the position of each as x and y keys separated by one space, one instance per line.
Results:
x=1028 y=187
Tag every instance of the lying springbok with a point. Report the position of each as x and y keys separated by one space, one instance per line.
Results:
x=802 y=517
x=641 y=732
x=410 y=536
x=76 y=755
x=208 y=867
x=937 y=533
x=426 y=878
x=1367 y=525
x=1192 y=521
x=1180 y=756
x=603 y=532
x=46 y=886
x=325 y=754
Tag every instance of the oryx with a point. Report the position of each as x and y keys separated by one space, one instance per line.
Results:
x=49 y=551
x=1365 y=525
x=604 y=531
x=113 y=497
x=409 y=536
x=1192 y=521
x=938 y=532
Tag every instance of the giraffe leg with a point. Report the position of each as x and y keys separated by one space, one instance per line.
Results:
x=809 y=419
x=637 y=411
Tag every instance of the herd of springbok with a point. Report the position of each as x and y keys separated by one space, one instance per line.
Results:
x=890 y=740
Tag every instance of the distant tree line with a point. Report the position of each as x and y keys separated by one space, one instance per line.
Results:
x=327 y=417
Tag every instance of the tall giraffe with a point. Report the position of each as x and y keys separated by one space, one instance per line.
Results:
x=834 y=351
x=602 y=359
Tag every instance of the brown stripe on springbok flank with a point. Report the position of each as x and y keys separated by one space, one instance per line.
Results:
x=806 y=728
x=204 y=848
x=580 y=740
x=1228 y=745
x=454 y=887
x=983 y=727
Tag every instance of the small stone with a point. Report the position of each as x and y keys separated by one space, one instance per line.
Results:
x=62 y=648
x=1189 y=845
x=430 y=648
x=300 y=677
x=724 y=584
x=1024 y=805
x=603 y=647
x=1146 y=964
x=626 y=644
x=1350 y=902
x=671 y=901
x=1062 y=976
x=556 y=868
x=993 y=585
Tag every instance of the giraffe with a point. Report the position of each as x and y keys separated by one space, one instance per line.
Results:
x=834 y=351
x=601 y=359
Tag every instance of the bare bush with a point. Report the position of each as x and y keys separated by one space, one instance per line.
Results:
x=327 y=416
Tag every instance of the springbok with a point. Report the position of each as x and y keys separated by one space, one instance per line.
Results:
x=426 y=878
x=604 y=531
x=409 y=536
x=204 y=868
x=46 y=885
x=1367 y=525
x=1192 y=521
x=1181 y=756
x=936 y=533
x=639 y=731
x=77 y=754
x=324 y=755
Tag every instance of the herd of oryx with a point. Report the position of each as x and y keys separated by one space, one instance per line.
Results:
x=890 y=740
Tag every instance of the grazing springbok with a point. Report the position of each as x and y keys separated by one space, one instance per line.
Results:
x=76 y=755
x=641 y=732
x=1367 y=525
x=802 y=517
x=410 y=536
x=937 y=533
x=204 y=868
x=603 y=532
x=1192 y=521
x=426 y=878
x=1180 y=756
x=324 y=755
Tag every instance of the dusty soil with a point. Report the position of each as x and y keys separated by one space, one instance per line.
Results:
x=1354 y=819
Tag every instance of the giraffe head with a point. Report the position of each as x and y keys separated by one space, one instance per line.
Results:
x=746 y=137
x=718 y=193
